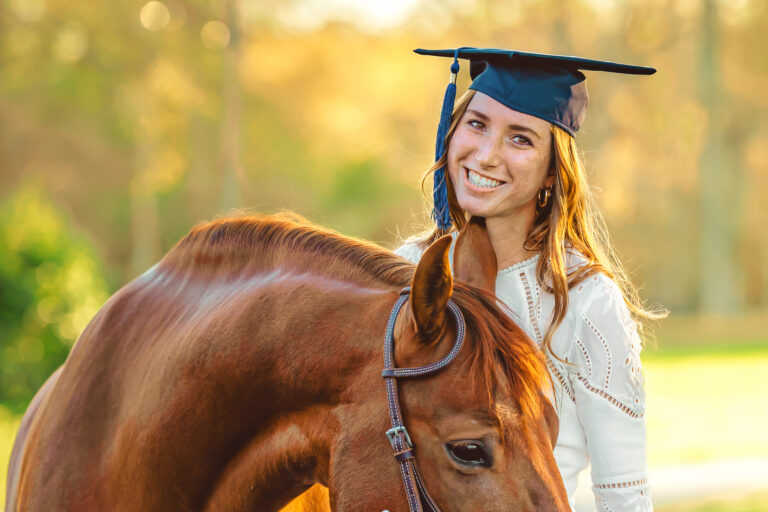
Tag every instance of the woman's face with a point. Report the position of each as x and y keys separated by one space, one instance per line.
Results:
x=498 y=159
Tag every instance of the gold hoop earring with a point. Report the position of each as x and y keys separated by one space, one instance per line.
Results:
x=547 y=192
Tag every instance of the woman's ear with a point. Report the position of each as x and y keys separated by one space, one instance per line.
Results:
x=430 y=290
x=474 y=260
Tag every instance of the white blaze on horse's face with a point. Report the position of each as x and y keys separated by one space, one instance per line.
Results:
x=498 y=159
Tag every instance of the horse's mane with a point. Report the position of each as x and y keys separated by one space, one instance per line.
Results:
x=252 y=243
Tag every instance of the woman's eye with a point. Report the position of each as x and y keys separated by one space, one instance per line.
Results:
x=469 y=453
x=521 y=139
x=474 y=123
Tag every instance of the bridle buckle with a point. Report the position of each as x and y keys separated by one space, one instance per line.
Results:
x=394 y=432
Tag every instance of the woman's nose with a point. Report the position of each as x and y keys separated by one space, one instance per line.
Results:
x=487 y=153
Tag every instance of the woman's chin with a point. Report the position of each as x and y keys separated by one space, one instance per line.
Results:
x=479 y=210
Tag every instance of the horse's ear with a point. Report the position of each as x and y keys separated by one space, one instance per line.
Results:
x=474 y=260
x=431 y=288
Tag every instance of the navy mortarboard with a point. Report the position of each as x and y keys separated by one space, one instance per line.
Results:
x=550 y=87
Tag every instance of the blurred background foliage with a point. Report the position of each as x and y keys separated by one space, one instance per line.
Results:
x=50 y=286
x=141 y=119
x=123 y=124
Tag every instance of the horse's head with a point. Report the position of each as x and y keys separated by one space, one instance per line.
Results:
x=482 y=429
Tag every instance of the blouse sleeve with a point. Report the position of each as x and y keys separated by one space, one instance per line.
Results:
x=610 y=400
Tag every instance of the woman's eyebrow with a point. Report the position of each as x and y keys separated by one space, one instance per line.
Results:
x=516 y=127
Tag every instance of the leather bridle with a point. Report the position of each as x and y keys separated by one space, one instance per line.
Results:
x=418 y=497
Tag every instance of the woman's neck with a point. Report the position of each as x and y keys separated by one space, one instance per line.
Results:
x=508 y=235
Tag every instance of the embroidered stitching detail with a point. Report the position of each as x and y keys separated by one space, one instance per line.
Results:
x=605 y=346
x=587 y=360
x=644 y=498
x=615 y=401
x=531 y=312
x=538 y=301
x=622 y=485
x=604 y=504
x=519 y=265
x=632 y=361
x=561 y=379
x=539 y=338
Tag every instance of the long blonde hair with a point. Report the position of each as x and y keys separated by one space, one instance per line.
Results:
x=570 y=220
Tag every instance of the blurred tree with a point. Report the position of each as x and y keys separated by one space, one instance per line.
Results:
x=50 y=288
x=233 y=178
x=721 y=276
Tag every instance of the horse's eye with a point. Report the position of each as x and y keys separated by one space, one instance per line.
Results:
x=469 y=453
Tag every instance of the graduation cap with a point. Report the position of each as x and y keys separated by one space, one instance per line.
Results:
x=550 y=87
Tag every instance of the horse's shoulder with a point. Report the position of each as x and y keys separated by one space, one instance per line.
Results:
x=23 y=436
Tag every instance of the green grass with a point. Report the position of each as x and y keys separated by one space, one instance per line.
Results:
x=9 y=424
x=756 y=502
x=708 y=405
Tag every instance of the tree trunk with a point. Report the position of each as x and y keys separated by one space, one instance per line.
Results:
x=720 y=281
x=232 y=176
x=145 y=231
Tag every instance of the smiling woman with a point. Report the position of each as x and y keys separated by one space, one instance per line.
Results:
x=498 y=158
x=507 y=154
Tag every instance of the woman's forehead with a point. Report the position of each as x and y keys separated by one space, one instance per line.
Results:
x=497 y=111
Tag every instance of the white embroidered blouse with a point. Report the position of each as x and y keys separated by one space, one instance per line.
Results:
x=600 y=398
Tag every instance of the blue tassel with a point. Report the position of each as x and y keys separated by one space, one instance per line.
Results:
x=440 y=212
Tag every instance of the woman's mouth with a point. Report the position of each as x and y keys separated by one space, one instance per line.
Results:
x=481 y=182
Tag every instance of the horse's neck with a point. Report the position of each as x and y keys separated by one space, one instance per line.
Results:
x=272 y=361
x=311 y=343
x=227 y=391
x=309 y=334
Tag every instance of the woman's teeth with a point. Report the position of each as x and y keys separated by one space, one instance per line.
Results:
x=480 y=181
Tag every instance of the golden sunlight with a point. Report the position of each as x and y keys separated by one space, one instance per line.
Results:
x=28 y=11
x=369 y=16
x=70 y=43
x=215 y=35
x=154 y=15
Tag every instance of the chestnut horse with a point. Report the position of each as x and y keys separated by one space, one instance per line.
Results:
x=246 y=366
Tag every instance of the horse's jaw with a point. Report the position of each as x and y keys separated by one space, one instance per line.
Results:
x=276 y=465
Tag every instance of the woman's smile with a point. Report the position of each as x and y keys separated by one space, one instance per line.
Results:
x=480 y=183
